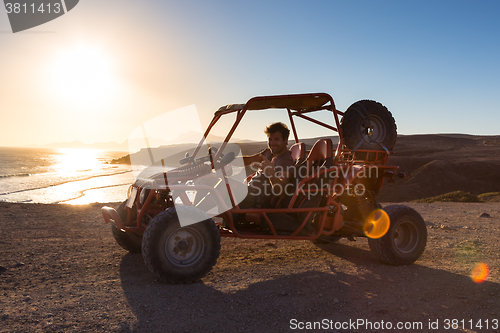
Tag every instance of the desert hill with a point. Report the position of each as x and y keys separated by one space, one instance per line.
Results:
x=442 y=163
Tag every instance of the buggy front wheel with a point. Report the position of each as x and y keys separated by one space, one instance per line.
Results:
x=181 y=254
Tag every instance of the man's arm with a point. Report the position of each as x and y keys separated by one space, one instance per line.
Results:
x=276 y=177
x=257 y=158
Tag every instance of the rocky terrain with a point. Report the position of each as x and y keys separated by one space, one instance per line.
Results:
x=61 y=271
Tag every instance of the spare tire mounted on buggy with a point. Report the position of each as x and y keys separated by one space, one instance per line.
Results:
x=368 y=125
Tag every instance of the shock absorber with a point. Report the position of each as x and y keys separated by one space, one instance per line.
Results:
x=364 y=203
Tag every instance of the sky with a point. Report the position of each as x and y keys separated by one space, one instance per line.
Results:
x=104 y=68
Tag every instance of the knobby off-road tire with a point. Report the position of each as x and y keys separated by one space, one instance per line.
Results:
x=128 y=240
x=368 y=125
x=178 y=254
x=406 y=239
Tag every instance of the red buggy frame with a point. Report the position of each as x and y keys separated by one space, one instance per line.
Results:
x=338 y=211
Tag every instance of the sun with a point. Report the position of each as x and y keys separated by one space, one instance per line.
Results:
x=81 y=74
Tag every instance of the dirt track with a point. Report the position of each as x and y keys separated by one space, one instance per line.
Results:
x=61 y=271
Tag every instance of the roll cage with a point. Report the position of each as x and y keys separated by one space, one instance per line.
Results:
x=297 y=105
x=340 y=168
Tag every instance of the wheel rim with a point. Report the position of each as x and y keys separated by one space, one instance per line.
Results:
x=406 y=237
x=184 y=247
x=376 y=132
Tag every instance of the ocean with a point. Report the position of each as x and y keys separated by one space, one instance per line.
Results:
x=69 y=176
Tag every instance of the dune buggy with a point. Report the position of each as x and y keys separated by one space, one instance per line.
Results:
x=331 y=196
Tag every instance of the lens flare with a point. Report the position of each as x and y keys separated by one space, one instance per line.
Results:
x=480 y=273
x=377 y=224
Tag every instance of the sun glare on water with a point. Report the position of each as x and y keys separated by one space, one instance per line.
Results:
x=82 y=167
x=77 y=160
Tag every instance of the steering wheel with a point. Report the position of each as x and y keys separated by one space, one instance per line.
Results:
x=212 y=151
x=225 y=160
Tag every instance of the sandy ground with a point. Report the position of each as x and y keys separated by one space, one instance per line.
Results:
x=61 y=271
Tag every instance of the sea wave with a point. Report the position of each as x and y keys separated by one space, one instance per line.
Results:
x=67 y=181
x=82 y=192
x=54 y=173
x=16 y=175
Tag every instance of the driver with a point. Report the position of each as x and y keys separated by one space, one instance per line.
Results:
x=274 y=166
x=274 y=169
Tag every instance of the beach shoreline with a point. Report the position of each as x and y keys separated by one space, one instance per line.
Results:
x=45 y=175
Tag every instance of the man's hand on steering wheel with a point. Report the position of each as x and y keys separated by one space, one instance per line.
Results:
x=267 y=167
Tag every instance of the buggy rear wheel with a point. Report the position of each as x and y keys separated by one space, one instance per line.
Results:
x=177 y=254
x=130 y=241
x=368 y=125
x=405 y=240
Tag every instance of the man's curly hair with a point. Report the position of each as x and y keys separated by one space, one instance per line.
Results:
x=278 y=127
